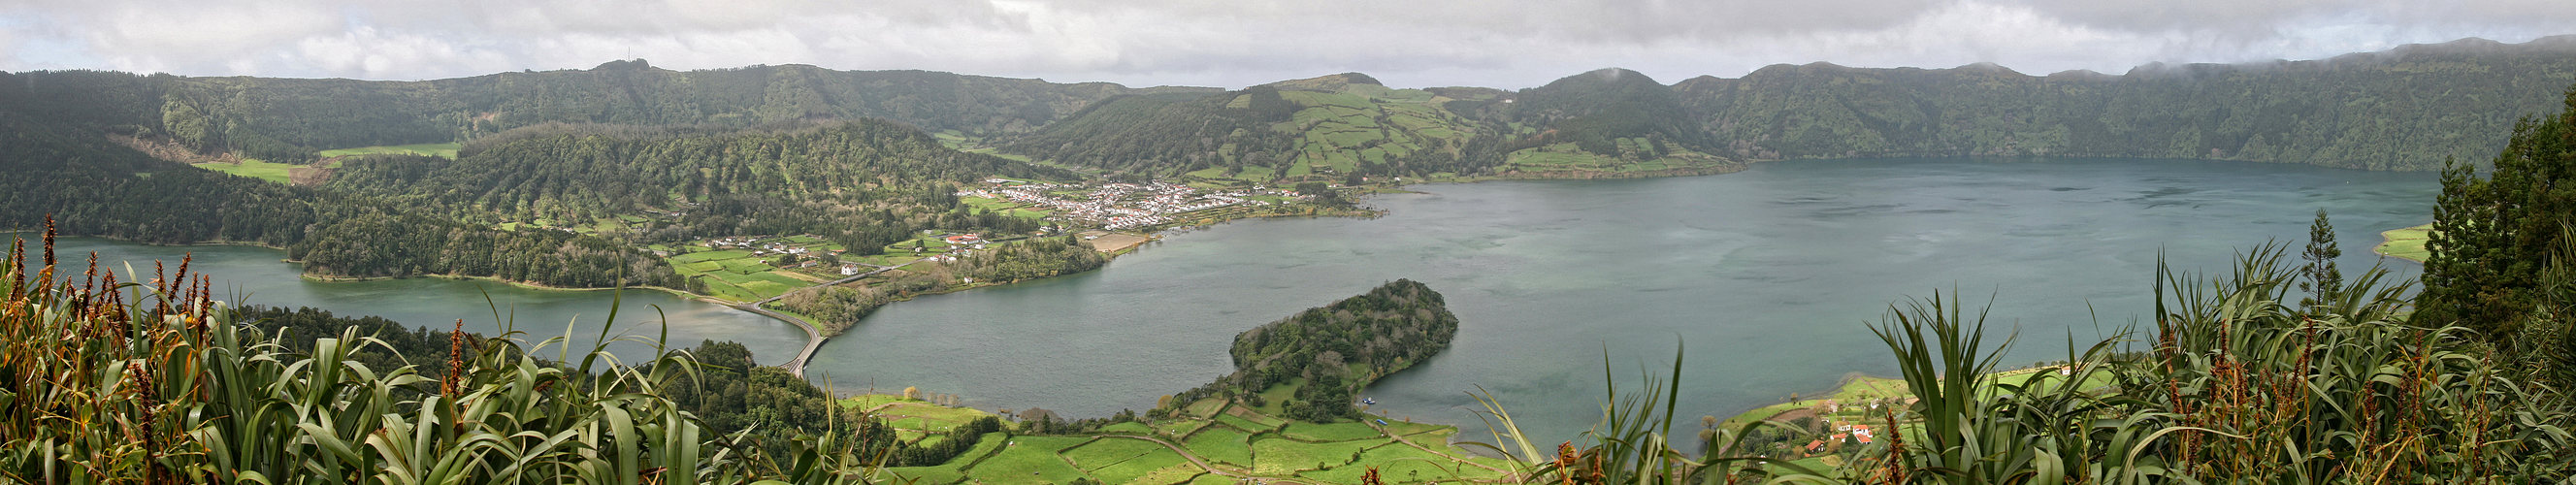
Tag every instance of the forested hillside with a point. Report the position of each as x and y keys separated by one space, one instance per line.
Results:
x=2403 y=109
x=864 y=183
x=93 y=187
x=1348 y=128
x=287 y=120
x=1333 y=351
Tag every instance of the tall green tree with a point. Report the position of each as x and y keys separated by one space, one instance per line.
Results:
x=2492 y=236
x=2323 y=280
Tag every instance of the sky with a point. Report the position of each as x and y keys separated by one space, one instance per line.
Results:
x=1226 y=43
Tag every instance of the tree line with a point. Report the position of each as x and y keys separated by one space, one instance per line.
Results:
x=1337 y=349
x=287 y=120
x=90 y=186
x=864 y=183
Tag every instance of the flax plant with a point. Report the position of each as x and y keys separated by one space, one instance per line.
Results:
x=2237 y=382
x=156 y=382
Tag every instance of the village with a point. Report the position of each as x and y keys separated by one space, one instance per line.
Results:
x=1122 y=205
x=1111 y=217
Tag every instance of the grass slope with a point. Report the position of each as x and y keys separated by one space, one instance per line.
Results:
x=2406 y=243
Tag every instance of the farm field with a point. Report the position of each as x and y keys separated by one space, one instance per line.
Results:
x=744 y=274
x=1236 y=444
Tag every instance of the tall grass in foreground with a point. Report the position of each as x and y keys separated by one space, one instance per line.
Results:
x=152 y=381
x=2237 y=383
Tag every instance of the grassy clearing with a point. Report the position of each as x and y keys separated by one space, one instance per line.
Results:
x=922 y=416
x=1133 y=428
x=1235 y=442
x=1238 y=422
x=1221 y=445
x=926 y=474
x=1402 y=428
x=1176 y=428
x=1110 y=451
x=1330 y=432
x=1206 y=407
x=253 y=168
x=1287 y=456
x=441 y=150
x=1278 y=395
x=1182 y=473
x=1004 y=207
x=739 y=275
x=1029 y=459
x=1399 y=463
x=2406 y=243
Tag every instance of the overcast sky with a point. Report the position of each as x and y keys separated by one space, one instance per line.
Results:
x=1225 y=43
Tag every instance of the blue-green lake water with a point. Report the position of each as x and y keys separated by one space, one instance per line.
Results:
x=248 y=275
x=1768 y=276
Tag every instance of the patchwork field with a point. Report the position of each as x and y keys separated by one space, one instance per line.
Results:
x=1237 y=444
x=742 y=275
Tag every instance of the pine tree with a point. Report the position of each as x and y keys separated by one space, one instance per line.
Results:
x=2323 y=279
x=2492 y=236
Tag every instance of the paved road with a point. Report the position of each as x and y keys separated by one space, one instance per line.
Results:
x=813 y=333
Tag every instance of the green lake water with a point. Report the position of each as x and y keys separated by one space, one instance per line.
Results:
x=258 y=276
x=1768 y=276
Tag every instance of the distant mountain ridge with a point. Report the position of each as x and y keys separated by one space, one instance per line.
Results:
x=2406 y=108
x=286 y=120
x=2403 y=109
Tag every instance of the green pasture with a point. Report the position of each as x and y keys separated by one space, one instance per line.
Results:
x=2406 y=243
x=442 y=150
x=253 y=168
x=1221 y=445
x=1033 y=459
x=1344 y=431
x=923 y=416
x=1274 y=455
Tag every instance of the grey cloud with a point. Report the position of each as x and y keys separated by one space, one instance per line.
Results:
x=1229 y=43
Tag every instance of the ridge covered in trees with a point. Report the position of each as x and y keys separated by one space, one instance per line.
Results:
x=2392 y=110
x=2402 y=109
x=1337 y=350
x=862 y=183
x=95 y=187
x=286 y=120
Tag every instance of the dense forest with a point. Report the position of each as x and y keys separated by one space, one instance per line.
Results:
x=863 y=183
x=1346 y=127
x=94 y=187
x=2403 y=109
x=287 y=120
x=1336 y=349
x=2394 y=110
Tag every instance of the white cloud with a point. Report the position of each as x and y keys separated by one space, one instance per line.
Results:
x=1231 y=43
